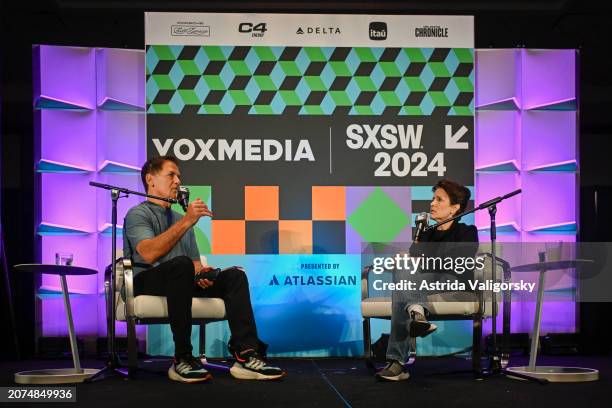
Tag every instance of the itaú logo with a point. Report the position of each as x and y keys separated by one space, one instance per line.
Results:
x=378 y=30
x=313 y=280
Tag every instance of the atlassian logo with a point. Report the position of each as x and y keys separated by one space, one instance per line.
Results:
x=317 y=280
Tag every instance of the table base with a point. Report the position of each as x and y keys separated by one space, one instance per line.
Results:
x=556 y=374
x=54 y=376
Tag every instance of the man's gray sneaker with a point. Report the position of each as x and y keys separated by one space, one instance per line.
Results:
x=394 y=371
x=250 y=365
x=188 y=370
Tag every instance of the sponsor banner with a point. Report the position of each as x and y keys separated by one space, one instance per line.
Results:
x=302 y=306
x=309 y=136
x=309 y=30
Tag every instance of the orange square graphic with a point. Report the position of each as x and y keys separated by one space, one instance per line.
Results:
x=295 y=237
x=228 y=237
x=261 y=203
x=328 y=203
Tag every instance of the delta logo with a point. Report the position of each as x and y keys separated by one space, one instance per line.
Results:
x=318 y=30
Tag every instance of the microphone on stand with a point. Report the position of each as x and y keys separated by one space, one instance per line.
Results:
x=182 y=197
x=421 y=222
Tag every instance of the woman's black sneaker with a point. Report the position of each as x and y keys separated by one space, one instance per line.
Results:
x=251 y=366
x=188 y=370
x=419 y=326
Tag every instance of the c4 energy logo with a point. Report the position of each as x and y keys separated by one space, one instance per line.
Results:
x=256 y=30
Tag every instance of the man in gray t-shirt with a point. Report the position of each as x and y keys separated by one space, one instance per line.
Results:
x=166 y=261
x=148 y=220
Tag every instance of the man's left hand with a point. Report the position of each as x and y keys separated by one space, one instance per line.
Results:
x=205 y=283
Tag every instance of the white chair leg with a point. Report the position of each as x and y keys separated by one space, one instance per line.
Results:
x=202 y=346
x=477 y=346
x=367 y=339
x=132 y=347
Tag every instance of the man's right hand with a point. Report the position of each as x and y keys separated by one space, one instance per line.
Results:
x=197 y=209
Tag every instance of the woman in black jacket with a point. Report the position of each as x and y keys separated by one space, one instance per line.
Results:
x=409 y=307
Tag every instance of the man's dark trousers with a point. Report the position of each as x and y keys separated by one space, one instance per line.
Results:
x=174 y=279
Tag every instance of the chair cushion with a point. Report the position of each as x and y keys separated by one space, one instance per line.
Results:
x=376 y=307
x=147 y=306
x=449 y=303
x=453 y=303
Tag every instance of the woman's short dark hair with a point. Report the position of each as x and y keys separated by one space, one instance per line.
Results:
x=457 y=193
x=154 y=166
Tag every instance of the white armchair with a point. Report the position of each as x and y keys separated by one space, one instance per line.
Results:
x=473 y=306
x=147 y=309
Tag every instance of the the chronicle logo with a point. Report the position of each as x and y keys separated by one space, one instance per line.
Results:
x=431 y=31
x=256 y=30
x=318 y=30
x=378 y=30
x=313 y=280
x=190 y=30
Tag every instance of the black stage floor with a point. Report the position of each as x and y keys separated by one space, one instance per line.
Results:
x=340 y=383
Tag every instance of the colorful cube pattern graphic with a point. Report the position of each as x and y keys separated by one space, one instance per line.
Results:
x=341 y=221
x=261 y=203
x=261 y=80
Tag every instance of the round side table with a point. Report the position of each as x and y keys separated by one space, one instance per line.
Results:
x=58 y=375
x=551 y=373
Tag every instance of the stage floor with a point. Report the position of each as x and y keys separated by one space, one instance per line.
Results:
x=341 y=383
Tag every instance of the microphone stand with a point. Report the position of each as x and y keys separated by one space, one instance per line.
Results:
x=495 y=363
x=113 y=364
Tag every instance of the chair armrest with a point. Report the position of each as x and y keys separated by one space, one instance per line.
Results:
x=365 y=272
x=505 y=265
x=506 y=276
x=506 y=298
x=128 y=283
x=124 y=285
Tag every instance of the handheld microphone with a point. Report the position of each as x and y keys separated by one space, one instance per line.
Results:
x=183 y=197
x=421 y=222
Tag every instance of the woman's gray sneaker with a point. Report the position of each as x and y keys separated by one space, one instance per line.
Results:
x=394 y=371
